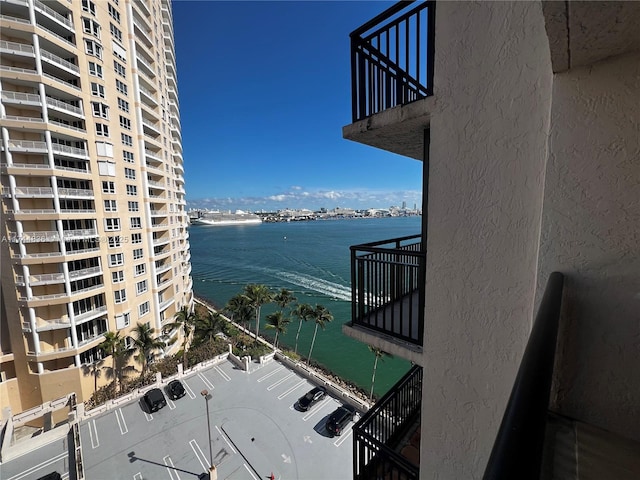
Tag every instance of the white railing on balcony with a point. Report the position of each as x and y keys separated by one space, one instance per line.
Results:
x=148 y=93
x=37 y=255
x=164 y=282
x=15 y=47
x=65 y=149
x=59 y=37
x=151 y=153
x=34 y=191
x=16 y=19
x=88 y=289
x=43 y=278
x=157 y=184
x=163 y=268
x=59 y=60
x=52 y=13
x=60 y=105
x=35 y=237
x=66 y=125
x=27 y=165
x=160 y=241
x=166 y=303
x=71 y=169
x=53 y=324
x=77 y=210
x=50 y=296
x=17 y=118
x=33 y=211
x=85 y=272
x=94 y=338
x=75 y=192
x=84 y=232
x=22 y=98
x=83 y=251
x=146 y=123
x=60 y=81
x=155 y=212
x=30 y=71
x=96 y=312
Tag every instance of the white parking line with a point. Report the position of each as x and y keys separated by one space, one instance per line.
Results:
x=46 y=463
x=264 y=377
x=172 y=405
x=316 y=410
x=199 y=455
x=170 y=467
x=343 y=438
x=282 y=380
x=148 y=416
x=250 y=472
x=225 y=439
x=93 y=434
x=206 y=381
x=189 y=391
x=297 y=385
x=224 y=375
x=138 y=476
x=121 y=423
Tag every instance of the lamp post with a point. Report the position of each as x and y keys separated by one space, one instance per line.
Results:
x=212 y=468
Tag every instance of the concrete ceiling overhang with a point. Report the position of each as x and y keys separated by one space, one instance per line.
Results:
x=581 y=33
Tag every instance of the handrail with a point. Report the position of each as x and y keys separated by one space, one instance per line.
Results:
x=517 y=451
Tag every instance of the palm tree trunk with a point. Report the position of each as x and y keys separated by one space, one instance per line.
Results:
x=257 y=322
x=312 y=342
x=373 y=377
x=275 y=342
x=297 y=335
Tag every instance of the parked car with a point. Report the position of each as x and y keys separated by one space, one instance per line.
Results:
x=154 y=399
x=51 y=476
x=175 y=390
x=310 y=398
x=339 y=419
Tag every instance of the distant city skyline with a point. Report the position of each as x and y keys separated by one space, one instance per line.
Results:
x=264 y=92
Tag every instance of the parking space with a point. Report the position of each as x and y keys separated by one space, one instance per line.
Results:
x=255 y=431
x=53 y=457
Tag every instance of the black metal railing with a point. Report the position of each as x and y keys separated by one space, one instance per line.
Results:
x=387 y=287
x=392 y=58
x=378 y=432
x=517 y=451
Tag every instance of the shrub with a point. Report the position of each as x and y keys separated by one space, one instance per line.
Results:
x=167 y=366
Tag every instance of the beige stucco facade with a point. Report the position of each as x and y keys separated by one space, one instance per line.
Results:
x=94 y=234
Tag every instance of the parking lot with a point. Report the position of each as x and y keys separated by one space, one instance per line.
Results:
x=255 y=432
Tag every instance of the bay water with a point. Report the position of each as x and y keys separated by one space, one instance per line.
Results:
x=311 y=259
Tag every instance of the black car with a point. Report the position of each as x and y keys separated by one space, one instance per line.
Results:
x=310 y=398
x=51 y=476
x=339 y=419
x=154 y=400
x=175 y=390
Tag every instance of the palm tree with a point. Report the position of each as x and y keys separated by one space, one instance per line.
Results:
x=186 y=319
x=379 y=354
x=258 y=295
x=322 y=316
x=240 y=308
x=284 y=298
x=95 y=369
x=146 y=343
x=277 y=321
x=208 y=326
x=113 y=343
x=303 y=311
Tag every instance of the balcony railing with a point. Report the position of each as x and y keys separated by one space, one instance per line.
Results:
x=387 y=287
x=378 y=434
x=392 y=59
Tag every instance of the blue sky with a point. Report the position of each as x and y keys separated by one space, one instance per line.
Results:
x=264 y=92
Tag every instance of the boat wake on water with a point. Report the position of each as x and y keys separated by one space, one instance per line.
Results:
x=330 y=289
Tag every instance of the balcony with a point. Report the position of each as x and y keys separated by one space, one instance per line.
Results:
x=387 y=437
x=387 y=288
x=392 y=59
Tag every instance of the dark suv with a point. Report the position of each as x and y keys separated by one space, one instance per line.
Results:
x=154 y=400
x=175 y=390
x=310 y=398
x=339 y=419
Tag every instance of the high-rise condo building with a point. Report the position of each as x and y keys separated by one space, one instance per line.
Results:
x=94 y=235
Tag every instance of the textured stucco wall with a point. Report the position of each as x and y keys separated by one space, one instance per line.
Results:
x=591 y=232
x=488 y=153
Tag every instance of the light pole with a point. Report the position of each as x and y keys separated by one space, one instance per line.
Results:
x=212 y=468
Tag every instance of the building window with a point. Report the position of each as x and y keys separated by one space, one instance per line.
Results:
x=123 y=321
x=127 y=156
x=91 y=356
x=114 y=13
x=132 y=190
x=135 y=223
x=138 y=253
x=111 y=224
x=136 y=238
x=115 y=32
x=89 y=6
x=125 y=123
x=120 y=296
x=126 y=139
x=91 y=47
x=143 y=309
x=123 y=105
x=102 y=130
x=117 y=277
x=140 y=269
x=141 y=287
x=114 y=242
x=129 y=173
x=120 y=69
x=97 y=90
x=133 y=206
x=95 y=69
x=121 y=87
x=108 y=187
x=100 y=109
x=91 y=27
x=116 y=259
x=110 y=205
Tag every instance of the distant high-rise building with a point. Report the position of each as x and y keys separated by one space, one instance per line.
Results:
x=93 y=211
x=404 y=205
